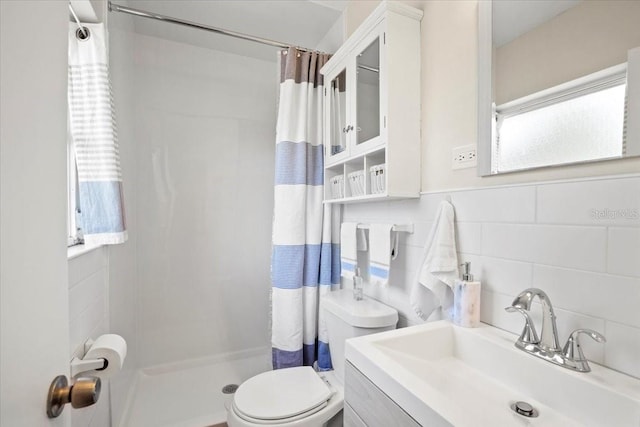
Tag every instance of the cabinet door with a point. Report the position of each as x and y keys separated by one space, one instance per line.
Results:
x=336 y=115
x=367 y=101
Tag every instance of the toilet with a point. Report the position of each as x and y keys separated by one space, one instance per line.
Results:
x=300 y=396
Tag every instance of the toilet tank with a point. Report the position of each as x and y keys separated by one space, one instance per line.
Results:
x=347 y=318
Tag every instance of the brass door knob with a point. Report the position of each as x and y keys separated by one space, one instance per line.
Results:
x=84 y=392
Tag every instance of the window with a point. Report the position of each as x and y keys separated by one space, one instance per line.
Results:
x=579 y=121
x=74 y=232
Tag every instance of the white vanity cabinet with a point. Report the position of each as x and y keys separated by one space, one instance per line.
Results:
x=372 y=109
x=367 y=406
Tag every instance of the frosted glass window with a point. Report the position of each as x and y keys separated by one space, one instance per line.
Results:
x=585 y=128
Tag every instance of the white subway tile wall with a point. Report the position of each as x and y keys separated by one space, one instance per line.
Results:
x=623 y=251
x=89 y=318
x=579 y=241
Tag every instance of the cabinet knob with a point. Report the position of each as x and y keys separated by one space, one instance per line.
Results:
x=347 y=129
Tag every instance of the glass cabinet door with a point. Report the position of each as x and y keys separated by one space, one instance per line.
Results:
x=338 y=115
x=368 y=93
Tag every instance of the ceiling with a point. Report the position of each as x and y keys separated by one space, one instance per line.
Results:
x=295 y=22
x=512 y=18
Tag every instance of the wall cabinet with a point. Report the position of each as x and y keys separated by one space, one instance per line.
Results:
x=372 y=109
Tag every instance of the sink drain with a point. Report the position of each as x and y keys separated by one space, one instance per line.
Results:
x=524 y=409
x=230 y=388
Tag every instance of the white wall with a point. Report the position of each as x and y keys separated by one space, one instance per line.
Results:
x=334 y=38
x=589 y=37
x=205 y=132
x=579 y=241
x=89 y=318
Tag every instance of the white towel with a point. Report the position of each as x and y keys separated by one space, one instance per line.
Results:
x=361 y=238
x=348 y=249
x=439 y=268
x=379 y=253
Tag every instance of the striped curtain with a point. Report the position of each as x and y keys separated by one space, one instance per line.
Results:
x=305 y=262
x=94 y=138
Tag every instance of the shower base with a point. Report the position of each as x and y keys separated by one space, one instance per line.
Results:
x=189 y=393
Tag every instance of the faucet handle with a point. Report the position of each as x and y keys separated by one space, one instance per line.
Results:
x=573 y=350
x=528 y=335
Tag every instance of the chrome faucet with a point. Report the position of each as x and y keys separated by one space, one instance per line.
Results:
x=547 y=346
x=549 y=333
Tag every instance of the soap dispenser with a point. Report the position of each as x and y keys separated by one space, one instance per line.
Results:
x=466 y=300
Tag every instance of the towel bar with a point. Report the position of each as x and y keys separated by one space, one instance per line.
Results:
x=404 y=228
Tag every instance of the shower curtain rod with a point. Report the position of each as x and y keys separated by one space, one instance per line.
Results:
x=113 y=7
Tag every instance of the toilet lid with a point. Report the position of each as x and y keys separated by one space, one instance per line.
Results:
x=365 y=313
x=282 y=393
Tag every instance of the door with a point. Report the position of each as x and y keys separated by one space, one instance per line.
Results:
x=366 y=96
x=34 y=325
x=336 y=117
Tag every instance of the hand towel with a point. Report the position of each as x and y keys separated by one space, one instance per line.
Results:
x=348 y=250
x=361 y=240
x=379 y=253
x=439 y=267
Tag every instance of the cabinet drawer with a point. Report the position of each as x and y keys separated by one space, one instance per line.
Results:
x=351 y=419
x=372 y=407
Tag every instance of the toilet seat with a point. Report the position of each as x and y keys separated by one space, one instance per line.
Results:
x=279 y=420
x=281 y=396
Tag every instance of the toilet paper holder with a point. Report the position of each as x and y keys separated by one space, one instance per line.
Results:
x=79 y=365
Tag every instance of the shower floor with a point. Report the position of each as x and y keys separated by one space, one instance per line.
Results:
x=189 y=394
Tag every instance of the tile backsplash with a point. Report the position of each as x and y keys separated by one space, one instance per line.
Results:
x=579 y=241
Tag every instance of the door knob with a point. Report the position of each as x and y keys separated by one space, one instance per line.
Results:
x=83 y=392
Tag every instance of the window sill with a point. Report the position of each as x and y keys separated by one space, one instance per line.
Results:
x=78 y=250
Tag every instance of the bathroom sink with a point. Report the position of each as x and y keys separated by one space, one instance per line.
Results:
x=442 y=374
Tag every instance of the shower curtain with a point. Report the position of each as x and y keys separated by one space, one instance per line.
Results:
x=305 y=262
x=94 y=137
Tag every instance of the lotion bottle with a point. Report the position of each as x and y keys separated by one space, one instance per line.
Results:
x=466 y=300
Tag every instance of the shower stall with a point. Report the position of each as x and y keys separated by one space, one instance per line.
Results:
x=197 y=120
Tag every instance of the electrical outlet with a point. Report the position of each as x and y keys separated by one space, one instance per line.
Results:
x=464 y=157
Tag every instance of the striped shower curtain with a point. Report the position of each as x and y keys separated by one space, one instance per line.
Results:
x=305 y=261
x=94 y=138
